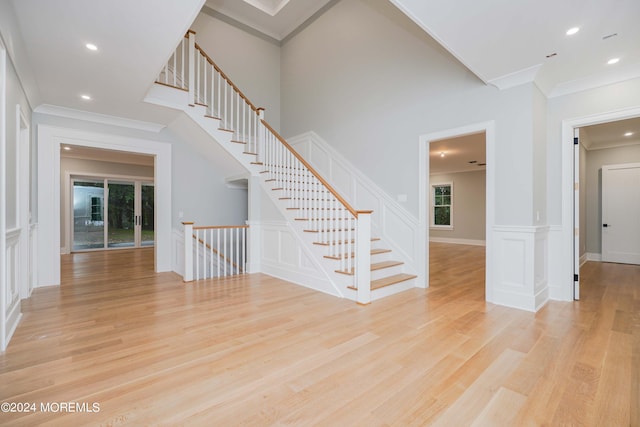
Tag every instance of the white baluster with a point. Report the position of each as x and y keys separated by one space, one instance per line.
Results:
x=244 y=250
x=192 y=64
x=218 y=251
x=197 y=243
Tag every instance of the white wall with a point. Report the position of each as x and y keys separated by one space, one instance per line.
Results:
x=15 y=149
x=595 y=159
x=469 y=206
x=371 y=82
x=252 y=63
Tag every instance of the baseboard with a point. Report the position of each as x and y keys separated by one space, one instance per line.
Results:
x=583 y=259
x=592 y=256
x=457 y=241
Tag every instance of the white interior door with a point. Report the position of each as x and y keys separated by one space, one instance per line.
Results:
x=576 y=214
x=621 y=213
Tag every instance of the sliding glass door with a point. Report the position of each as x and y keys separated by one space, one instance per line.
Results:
x=121 y=226
x=112 y=213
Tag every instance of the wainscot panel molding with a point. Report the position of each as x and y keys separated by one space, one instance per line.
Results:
x=177 y=251
x=557 y=270
x=521 y=276
x=11 y=302
x=389 y=221
x=285 y=257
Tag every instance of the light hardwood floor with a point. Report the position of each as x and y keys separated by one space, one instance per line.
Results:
x=150 y=350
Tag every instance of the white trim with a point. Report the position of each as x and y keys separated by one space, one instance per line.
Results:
x=516 y=78
x=593 y=256
x=49 y=140
x=565 y=281
x=3 y=198
x=423 y=184
x=87 y=116
x=457 y=241
x=23 y=162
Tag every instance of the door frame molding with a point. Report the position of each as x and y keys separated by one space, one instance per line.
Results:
x=423 y=196
x=50 y=138
x=568 y=202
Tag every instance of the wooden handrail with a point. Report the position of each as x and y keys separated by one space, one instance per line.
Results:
x=213 y=227
x=224 y=76
x=314 y=172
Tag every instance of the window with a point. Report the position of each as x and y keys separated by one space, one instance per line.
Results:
x=442 y=205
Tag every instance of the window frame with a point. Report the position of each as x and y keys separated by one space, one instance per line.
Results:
x=433 y=187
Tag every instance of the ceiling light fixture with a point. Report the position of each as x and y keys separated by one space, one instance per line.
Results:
x=442 y=154
x=572 y=31
x=613 y=61
x=91 y=46
x=628 y=134
x=85 y=97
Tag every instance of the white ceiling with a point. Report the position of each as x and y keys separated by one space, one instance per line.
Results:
x=506 y=42
x=461 y=154
x=502 y=42
x=274 y=18
x=87 y=153
x=134 y=39
x=611 y=134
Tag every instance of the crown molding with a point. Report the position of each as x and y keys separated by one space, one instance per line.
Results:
x=55 y=110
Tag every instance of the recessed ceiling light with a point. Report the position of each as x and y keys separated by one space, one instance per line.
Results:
x=67 y=148
x=91 y=46
x=85 y=97
x=572 y=31
x=442 y=154
x=613 y=61
x=628 y=134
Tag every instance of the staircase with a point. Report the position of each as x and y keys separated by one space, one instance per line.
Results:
x=338 y=235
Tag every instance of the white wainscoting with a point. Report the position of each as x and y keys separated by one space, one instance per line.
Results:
x=177 y=251
x=390 y=221
x=11 y=302
x=560 y=269
x=521 y=275
x=33 y=258
x=284 y=256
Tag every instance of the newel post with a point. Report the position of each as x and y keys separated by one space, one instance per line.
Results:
x=188 y=252
x=363 y=257
x=192 y=67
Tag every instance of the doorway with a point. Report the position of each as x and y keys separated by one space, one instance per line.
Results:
x=604 y=139
x=111 y=213
x=488 y=129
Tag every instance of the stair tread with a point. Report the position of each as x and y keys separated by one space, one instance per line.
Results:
x=339 y=242
x=373 y=252
x=374 y=267
x=388 y=281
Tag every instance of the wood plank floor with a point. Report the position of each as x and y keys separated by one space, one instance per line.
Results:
x=150 y=350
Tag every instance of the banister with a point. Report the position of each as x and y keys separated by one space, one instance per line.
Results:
x=313 y=171
x=213 y=227
x=224 y=76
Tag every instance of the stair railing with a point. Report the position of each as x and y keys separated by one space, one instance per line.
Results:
x=345 y=231
x=214 y=251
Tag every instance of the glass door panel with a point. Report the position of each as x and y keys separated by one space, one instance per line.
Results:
x=88 y=215
x=121 y=218
x=146 y=214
